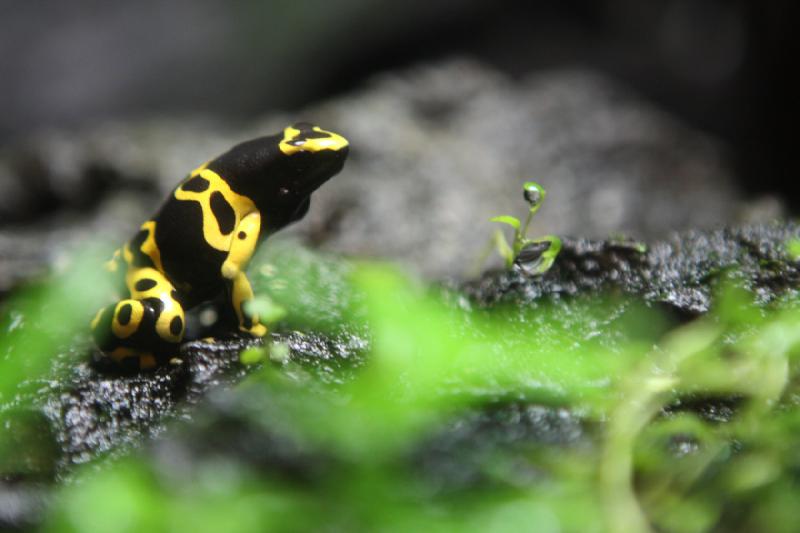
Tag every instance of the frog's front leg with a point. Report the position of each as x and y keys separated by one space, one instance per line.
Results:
x=240 y=293
x=243 y=245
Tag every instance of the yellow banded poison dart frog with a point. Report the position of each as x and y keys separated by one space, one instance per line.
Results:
x=197 y=246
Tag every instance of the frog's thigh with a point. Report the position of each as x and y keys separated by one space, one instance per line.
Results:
x=153 y=288
x=241 y=293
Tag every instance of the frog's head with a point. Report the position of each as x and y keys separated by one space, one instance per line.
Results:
x=280 y=172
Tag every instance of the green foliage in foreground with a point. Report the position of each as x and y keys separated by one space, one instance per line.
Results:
x=42 y=319
x=430 y=361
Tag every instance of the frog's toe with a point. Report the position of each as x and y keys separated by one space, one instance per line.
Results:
x=256 y=330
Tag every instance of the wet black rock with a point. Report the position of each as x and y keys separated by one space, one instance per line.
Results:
x=679 y=274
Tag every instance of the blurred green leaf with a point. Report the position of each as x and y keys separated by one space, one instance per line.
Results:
x=37 y=320
x=268 y=311
x=252 y=356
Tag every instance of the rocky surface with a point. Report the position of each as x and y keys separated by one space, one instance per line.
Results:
x=680 y=273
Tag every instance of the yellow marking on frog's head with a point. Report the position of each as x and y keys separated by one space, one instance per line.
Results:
x=303 y=137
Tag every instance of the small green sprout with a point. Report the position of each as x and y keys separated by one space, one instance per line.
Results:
x=793 y=249
x=533 y=256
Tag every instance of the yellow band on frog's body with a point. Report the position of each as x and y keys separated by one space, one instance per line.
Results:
x=149 y=246
x=241 y=205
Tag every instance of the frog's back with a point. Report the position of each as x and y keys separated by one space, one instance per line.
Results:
x=186 y=257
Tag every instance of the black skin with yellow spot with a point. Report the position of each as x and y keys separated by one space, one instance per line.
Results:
x=197 y=246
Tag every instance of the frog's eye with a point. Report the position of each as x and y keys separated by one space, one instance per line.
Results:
x=283 y=191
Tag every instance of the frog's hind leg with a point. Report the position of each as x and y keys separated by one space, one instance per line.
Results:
x=118 y=330
x=145 y=329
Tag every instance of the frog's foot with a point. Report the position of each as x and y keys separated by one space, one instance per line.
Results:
x=132 y=359
x=256 y=329
x=127 y=360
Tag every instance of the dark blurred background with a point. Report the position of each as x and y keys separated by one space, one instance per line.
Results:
x=725 y=67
